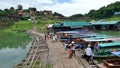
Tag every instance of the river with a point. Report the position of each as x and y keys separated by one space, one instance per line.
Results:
x=10 y=57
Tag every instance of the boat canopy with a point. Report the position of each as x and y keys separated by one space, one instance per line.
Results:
x=109 y=44
x=95 y=39
x=69 y=32
x=116 y=53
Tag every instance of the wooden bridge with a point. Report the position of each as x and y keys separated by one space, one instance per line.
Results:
x=37 y=54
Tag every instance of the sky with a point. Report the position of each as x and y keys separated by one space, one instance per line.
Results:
x=65 y=7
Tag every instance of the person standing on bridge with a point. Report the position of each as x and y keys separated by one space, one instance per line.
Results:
x=88 y=53
x=96 y=48
x=54 y=38
x=45 y=37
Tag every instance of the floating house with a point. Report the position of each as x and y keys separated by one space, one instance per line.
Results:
x=66 y=26
x=105 y=25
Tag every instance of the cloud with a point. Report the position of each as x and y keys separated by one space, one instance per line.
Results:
x=78 y=6
x=45 y=1
x=65 y=7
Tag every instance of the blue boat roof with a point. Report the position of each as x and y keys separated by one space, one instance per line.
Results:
x=69 y=32
x=116 y=53
x=104 y=22
x=95 y=39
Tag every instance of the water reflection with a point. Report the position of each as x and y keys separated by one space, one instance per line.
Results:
x=10 y=57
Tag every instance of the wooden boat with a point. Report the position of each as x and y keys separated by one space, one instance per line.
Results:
x=112 y=63
x=104 y=54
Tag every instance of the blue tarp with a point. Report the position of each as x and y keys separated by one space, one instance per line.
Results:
x=116 y=53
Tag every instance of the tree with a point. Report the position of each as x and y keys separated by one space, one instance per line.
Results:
x=1 y=12
x=105 y=12
x=20 y=7
x=11 y=8
x=33 y=9
x=76 y=16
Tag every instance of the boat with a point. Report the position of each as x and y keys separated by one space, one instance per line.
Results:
x=105 y=54
x=110 y=44
x=111 y=63
x=107 y=49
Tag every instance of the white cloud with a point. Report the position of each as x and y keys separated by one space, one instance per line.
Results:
x=45 y=1
x=78 y=6
x=65 y=8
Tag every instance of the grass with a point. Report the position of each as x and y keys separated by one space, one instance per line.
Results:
x=113 y=18
x=10 y=37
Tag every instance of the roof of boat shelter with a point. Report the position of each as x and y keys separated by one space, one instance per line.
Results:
x=114 y=43
x=71 y=24
x=93 y=39
x=104 y=22
x=71 y=32
x=76 y=24
x=116 y=53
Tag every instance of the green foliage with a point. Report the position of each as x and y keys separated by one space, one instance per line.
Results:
x=113 y=18
x=105 y=12
x=25 y=18
x=21 y=25
x=14 y=35
x=76 y=16
x=57 y=14
x=10 y=39
x=33 y=9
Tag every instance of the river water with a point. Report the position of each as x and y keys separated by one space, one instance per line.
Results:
x=10 y=57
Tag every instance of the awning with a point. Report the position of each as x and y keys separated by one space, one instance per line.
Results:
x=116 y=53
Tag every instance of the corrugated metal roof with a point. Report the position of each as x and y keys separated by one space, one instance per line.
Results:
x=57 y=25
x=71 y=24
x=115 y=43
x=104 y=23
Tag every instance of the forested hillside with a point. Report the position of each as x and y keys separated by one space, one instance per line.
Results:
x=105 y=11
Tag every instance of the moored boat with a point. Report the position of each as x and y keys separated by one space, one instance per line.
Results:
x=112 y=63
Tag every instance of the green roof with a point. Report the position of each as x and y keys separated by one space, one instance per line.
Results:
x=115 y=43
x=73 y=24
x=56 y=25
x=104 y=23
